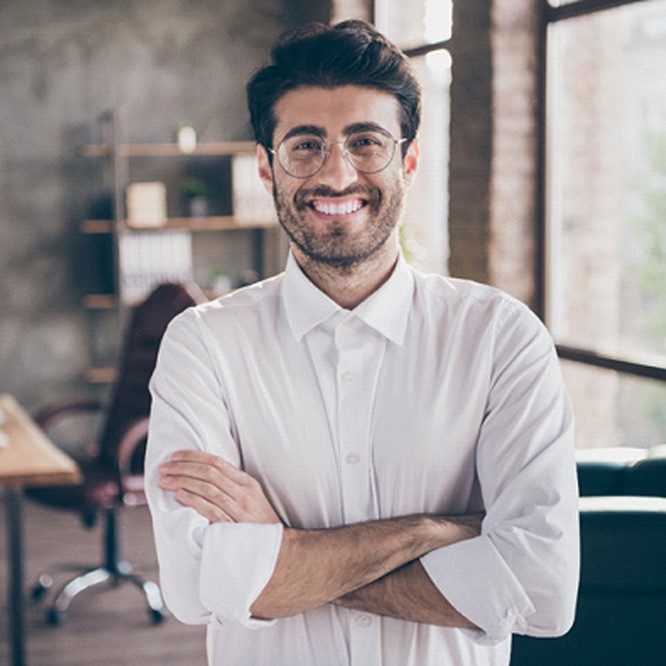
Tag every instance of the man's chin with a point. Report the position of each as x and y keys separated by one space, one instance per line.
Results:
x=337 y=258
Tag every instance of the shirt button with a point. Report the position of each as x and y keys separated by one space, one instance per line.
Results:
x=348 y=376
x=352 y=458
x=364 y=621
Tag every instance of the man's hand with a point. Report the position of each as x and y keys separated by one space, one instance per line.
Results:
x=216 y=489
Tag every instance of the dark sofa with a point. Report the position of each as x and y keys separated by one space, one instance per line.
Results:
x=621 y=612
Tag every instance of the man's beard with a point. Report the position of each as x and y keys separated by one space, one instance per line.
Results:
x=328 y=242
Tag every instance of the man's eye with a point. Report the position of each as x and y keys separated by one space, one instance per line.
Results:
x=366 y=141
x=306 y=145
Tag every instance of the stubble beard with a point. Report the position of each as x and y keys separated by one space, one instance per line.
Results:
x=329 y=243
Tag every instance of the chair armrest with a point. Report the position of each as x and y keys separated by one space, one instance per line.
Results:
x=132 y=438
x=49 y=415
x=131 y=483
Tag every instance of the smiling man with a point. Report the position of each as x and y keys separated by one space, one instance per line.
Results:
x=352 y=462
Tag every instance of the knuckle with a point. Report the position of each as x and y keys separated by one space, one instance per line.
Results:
x=251 y=483
x=218 y=496
x=218 y=516
x=209 y=473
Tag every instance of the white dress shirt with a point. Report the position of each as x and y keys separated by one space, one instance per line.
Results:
x=435 y=395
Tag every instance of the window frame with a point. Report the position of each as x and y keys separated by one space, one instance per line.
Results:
x=547 y=16
x=417 y=52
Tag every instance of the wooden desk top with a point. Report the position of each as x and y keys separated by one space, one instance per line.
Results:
x=27 y=456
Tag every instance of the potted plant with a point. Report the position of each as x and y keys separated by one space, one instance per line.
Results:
x=194 y=196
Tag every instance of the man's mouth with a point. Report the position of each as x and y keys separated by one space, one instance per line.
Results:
x=337 y=208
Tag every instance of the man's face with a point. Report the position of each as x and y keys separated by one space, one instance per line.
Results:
x=338 y=216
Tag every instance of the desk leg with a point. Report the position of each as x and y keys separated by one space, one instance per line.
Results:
x=15 y=561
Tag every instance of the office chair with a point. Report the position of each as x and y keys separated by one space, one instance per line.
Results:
x=114 y=477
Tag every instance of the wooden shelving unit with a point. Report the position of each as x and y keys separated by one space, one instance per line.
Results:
x=116 y=157
x=167 y=149
x=208 y=223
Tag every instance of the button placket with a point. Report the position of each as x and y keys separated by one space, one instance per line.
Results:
x=365 y=639
x=358 y=354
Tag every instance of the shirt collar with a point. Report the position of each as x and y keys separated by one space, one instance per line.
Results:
x=386 y=310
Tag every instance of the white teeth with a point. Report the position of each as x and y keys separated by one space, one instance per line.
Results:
x=344 y=208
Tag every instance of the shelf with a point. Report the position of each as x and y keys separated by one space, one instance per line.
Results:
x=97 y=226
x=211 y=223
x=218 y=223
x=168 y=149
x=99 y=301
x=106 y=375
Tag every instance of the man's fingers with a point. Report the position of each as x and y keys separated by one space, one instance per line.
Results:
x=212 y=512
x=218 y=484
x=203 y=465
x=213 y=475
x=196 y=486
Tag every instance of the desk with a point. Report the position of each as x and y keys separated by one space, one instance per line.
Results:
x=27 y=458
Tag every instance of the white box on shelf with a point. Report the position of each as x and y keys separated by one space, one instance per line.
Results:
x=146 y=204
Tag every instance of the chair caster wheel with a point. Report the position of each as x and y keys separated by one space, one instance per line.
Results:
x=157 y=616
x=54 y=617
x=38 y=593
x=41 y=587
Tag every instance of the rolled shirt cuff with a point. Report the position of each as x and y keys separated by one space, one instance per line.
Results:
x=476 y=580
x=237 y=561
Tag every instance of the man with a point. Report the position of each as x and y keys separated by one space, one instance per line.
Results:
x=353 y=463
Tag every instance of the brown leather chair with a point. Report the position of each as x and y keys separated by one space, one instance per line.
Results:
x=114 y=477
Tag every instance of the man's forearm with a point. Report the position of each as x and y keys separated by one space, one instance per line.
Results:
x=315 y=567
x=406 y=594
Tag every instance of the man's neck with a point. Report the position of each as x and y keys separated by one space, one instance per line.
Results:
x=349 y=286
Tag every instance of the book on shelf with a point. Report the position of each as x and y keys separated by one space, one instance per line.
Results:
x=250 y=200
x=149 y=258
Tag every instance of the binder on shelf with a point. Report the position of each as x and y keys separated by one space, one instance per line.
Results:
x=149 y=258
x=250 y=200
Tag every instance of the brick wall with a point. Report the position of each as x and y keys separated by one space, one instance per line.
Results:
x=493 y=130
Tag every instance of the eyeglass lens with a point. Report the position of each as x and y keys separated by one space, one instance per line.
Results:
x=304 y=155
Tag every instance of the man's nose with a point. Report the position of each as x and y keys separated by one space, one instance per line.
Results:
x=337 y=171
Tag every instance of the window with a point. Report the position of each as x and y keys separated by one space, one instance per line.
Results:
x=421 y=28
x=604 y=231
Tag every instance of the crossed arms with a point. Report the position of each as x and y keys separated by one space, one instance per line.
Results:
x=371 y=566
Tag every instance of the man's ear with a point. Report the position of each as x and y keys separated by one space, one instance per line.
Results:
x=410 y=162
x=265 y=170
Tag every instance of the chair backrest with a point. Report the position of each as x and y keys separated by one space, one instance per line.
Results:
x=602 y=471
x=622 y=471
x=130 y=399
x=647 y=476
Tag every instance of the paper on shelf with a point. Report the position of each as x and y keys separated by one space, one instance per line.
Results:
x=250 y=200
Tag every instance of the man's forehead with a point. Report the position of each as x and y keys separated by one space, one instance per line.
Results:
x=332 y=110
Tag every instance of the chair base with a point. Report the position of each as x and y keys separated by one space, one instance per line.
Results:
x=119 y=573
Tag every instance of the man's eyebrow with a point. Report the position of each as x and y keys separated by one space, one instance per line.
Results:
x=354 y=128
x=300 y=130
x=368 y=126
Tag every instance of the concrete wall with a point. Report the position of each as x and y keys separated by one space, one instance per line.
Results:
x=62 y=63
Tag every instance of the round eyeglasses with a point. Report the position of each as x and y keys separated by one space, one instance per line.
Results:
x=303 y=155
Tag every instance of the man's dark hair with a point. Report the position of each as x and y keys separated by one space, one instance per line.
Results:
x=349 y=53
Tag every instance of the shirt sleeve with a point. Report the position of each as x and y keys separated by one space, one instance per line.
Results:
x=208 y=572
x=521 y=574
